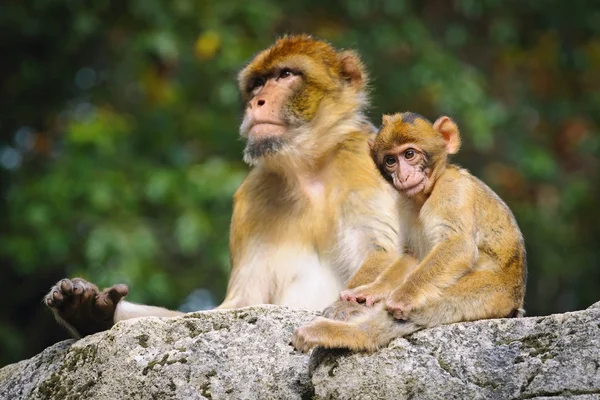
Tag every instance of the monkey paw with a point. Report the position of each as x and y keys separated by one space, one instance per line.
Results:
x=367 y=294
x=343 y=310
x=400 y=309
x=82 y=306
x=308 y=336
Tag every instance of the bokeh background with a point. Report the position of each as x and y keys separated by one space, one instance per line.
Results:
x=119 y=151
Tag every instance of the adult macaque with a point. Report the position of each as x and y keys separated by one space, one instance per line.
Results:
x=313 y=209
x=469 y=254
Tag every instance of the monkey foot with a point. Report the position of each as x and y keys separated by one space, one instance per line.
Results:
x=82 y=306
x=308 y=336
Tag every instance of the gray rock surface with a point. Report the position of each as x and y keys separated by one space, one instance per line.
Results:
x=244 y=354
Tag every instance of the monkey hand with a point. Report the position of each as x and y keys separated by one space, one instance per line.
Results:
x=399 y=309
x=368 y=294
x=82 y=306
x=343 y=310
x=401 y=303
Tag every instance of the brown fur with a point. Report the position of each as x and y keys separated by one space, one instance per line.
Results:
x=471 y=251
x=300 y=197
x=300 y=228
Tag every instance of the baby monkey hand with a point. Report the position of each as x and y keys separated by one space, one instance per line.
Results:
x=368 y=294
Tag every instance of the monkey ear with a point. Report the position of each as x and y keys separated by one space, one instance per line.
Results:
x=371 y=142
x=352 y=69
x=386 y=119
x=449 y=131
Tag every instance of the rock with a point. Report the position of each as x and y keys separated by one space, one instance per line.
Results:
x=241 y=354
x=595 y=305
x=244 y=354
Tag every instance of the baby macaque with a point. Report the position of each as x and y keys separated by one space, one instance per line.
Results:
x=465 y=256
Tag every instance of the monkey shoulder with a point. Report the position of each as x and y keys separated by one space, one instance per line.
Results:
x=453 y=188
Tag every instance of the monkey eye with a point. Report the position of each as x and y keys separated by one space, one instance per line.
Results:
x=256 y=82
x=390 y=161
x=285 y=73
x=409 y=154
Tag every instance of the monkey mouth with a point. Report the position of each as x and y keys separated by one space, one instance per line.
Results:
x=260 y=129
x=411 y=190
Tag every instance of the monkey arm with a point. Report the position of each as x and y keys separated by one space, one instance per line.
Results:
x=397 y=273
x=375 y=264
x=248 y=284
x=380 y=288
x=127 y=310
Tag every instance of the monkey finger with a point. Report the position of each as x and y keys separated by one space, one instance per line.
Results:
x=57 y=297
x=108 y=299
x=347 y=295
x=65 y=286
x=371 y=300
x=118 y=291
x=87 y=295
x=78 y=288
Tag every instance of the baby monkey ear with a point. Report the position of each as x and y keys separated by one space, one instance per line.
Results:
x=449 y=131
x=371 y=143
x=386 y=119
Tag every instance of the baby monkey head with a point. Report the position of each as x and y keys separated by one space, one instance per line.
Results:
x=411 y=152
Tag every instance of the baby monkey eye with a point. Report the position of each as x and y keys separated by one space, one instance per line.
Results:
x=408 y=154
x=390 y=161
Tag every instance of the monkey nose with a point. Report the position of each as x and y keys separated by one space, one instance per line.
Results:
x=261 y=102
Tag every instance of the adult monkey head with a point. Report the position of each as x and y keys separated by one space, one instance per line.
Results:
x=295 y=92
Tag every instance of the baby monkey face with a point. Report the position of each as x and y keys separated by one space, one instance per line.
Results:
x=410 y=151
x=406 y=165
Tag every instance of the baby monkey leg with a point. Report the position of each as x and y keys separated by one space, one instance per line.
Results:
x=477 y=295
x=373 y=329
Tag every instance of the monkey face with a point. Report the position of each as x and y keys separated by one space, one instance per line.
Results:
x=410 y=151
x=407 y=168
x=267 y=112
x=290 y=90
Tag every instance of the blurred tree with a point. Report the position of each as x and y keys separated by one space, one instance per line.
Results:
x=119 y=151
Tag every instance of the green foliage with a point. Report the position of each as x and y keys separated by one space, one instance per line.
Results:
x=119 y=152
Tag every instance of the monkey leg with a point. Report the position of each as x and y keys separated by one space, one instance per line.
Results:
x=374 y=329
x=394 y=276
x=477 y=295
